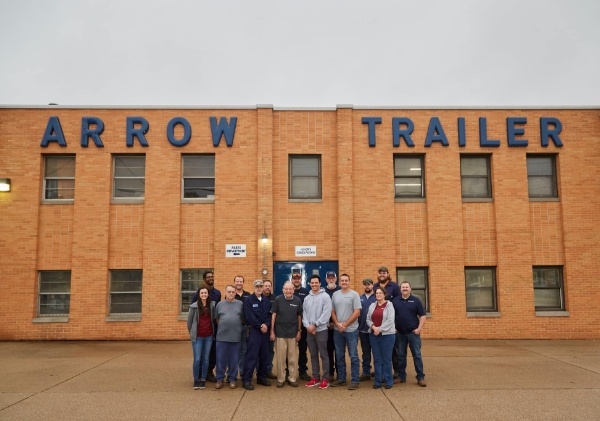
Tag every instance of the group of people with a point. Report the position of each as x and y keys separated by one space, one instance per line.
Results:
x=246 y=332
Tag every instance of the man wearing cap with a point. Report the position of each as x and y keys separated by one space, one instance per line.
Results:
x=301 y=292
x=392 y=290
x=286 y=328
x=257 y=313
x=366 y=299
x=268 y=292
x=331 y=287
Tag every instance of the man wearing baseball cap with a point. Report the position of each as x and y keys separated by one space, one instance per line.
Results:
x=366 y=299
x=257 y=313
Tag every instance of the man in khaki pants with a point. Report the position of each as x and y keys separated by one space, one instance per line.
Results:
x=286 y=329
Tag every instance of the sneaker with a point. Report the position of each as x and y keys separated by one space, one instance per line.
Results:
x=422 y=383
x=219 y=384
x=305 y=377
x=353 y=386
x=202 y=384
x=313 y=382
x=196 y=384
x=338 y=382
x=233 y=384
x=365 y=377
x=324 y=384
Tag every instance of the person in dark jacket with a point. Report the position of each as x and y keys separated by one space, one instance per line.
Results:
x=257 y=314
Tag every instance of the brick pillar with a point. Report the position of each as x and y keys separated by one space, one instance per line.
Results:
x=264 y=220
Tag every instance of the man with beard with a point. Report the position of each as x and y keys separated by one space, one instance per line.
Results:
x=366 y=299
x=392 y=290
x=301 y=292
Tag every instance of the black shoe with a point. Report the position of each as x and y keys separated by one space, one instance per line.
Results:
x=248 y=386
x=365 y=377
x=270 y=375
x=263 y=382
x=210 y=377
x=196 y=384
x=388 y=386
x=202 y=384
x=376 y=386
x=305 y=377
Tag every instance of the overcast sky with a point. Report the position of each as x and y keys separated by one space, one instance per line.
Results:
x=304 y=53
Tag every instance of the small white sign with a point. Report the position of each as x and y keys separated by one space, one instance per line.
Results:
x=306 y=251
x=235 y=250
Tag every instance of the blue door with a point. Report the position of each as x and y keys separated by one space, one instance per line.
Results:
x=283 y=272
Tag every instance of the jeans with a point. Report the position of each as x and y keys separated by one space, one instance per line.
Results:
x=414 y=343
x=341 y=340
x=382 y=346
x=365 y=345
x=201 y=349
x=227 y=360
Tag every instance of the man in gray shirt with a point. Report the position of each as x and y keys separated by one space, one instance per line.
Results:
x=229 y=314
x=345 y=313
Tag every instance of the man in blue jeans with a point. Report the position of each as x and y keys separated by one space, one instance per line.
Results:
x=410 y=319
x=344 y=313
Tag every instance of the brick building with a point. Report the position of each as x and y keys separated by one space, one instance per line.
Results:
x=114 y=214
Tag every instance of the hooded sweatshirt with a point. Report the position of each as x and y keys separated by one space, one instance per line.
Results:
x=316 y=310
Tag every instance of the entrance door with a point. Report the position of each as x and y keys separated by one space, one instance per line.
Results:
x=283 y=272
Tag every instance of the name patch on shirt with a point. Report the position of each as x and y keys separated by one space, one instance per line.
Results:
x=254 y=305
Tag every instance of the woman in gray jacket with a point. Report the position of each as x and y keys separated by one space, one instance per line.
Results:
x=201 y=325
x=382 y=334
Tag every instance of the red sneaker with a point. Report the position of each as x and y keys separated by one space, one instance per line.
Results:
x=312 y=382
x=324 y=384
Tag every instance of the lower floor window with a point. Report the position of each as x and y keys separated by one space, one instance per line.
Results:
x=190 y=282
x=54 y=292
x=480 y=288
x=548 y=288
x=417 y=278
x=125 y=291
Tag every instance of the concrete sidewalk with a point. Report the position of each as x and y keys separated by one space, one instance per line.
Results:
x=466 y=380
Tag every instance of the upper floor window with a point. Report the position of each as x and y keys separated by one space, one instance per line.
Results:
x=475 y=176
x=198 y=176
x=125 y=291
x=541 y=176
x=417 y=278
x=305 y=177
x=409 y=174
x=129 y=176
x=54 y=297
x=548 y=291
x=59 y=178
x=480 y=285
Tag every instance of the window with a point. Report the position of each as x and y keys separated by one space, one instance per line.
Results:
x=475 y=176
x=125 y=291
x=130 y=174
x=199 y=177
x=54 y=292
x=409 y=175
x=417 y=277
x=548 y=288
x=541 y=176
x=190 y=282
x=59 y=178
x=481 y=289
x=305 y=177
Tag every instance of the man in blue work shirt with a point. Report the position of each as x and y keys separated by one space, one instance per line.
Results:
x=410 y=319
x=257 y=314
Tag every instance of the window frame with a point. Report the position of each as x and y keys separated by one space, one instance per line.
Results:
x=197 y=273
x=47 y=179
x=207 y=198
x=560 y=288
x=292 y=177
x=493 y=288
x=42 y=293
x=487 y=177
x=425 y=290
x=397 y=178
x=112 y=294
x=553 y=177
x=130 y=199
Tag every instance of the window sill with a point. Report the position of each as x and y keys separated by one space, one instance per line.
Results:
x=182 y=317
x=124 y=318
x=409 y=199
x=478 y=200
x=53 y=319
x=131 y=201
x=555 y=313
x=544 y=199
x=483 y=314
x=305 y=200
x=211 y=200
x=58 y=201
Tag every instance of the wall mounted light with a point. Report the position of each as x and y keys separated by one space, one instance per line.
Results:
x=264 y=238
x=5 y=184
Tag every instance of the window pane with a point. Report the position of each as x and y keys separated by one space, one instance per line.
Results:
x=474 y=166
x=55 y=281
x=477 y=278
x=416 y=278
x=305 y=167
x=60 y=189
x=547 y=298
x=199 y=166
x=54 y=304
x=60 y=166
x=474 y=187
x=540 y=166
x=480 y=299
x=304 y=187
x=541 y=186
x=408 y=186
x=407 y=167
x=125 y=303
x=130 y=166
x=198 y=187
x=129 y=187
x=420 y=294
